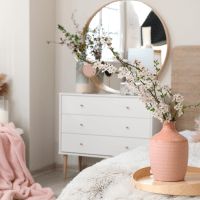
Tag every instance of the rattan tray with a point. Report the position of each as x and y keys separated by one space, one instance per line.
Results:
x=143 y=180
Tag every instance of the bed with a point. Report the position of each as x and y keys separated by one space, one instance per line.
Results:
x=111 y=179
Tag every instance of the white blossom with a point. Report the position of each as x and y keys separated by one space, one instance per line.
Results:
x=178 y=98
x=124 y=73
x=105 y=67
x=178 y=106
x=180 y=113
x=106 y=40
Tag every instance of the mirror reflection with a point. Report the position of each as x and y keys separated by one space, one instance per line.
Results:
x=136 y=30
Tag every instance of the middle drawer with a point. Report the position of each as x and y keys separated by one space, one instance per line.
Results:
x=109 y=126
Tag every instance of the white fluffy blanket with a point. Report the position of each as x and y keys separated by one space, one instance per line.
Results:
x=111 y=179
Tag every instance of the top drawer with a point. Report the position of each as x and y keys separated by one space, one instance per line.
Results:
x=105 y=106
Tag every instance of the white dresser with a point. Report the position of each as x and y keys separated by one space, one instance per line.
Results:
x=102 y=125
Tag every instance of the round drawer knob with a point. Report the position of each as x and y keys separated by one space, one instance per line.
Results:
x=127 y=147
x=81 y=125
x=81 y=144
x=127 y=128
x=127 y=107
x=82 y=106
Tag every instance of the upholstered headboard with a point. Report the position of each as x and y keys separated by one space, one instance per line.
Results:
x=186 y=80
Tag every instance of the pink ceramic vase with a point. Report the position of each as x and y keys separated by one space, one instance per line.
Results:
x=168 y=154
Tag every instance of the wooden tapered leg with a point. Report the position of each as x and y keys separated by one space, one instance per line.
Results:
x=65 y=157
x=80 y=159
x=85 y=163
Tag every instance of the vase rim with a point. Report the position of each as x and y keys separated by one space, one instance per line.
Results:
x=169 y=122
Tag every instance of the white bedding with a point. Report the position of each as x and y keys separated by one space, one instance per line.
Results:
x=111 y=179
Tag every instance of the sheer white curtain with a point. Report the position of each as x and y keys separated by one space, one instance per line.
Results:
x=121 y=20
x=111 y=19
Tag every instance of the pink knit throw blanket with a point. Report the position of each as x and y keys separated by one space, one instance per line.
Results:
x=16 y=182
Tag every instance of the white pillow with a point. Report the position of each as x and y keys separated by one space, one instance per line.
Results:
x=192 y=136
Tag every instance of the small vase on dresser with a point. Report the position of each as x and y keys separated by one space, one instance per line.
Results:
x=95 y=125
x=84 y=83
x=168 y=154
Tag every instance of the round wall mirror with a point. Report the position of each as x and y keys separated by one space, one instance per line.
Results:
x=137 y=32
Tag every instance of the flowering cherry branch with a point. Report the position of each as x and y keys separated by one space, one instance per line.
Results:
x=159 y=99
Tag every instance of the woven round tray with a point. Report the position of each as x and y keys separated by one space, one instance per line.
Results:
x=143 y=180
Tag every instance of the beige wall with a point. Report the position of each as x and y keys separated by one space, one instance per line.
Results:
x=181 y=18
x=14 y=58
x=42 y=28
x=29 y=62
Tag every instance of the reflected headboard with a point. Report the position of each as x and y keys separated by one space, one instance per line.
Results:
x=186 y=80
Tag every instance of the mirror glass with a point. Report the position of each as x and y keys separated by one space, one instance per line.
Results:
x=137 y=33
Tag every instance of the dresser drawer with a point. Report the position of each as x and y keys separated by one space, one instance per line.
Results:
x=105 y=106
x=98 y=145
x=108 y=126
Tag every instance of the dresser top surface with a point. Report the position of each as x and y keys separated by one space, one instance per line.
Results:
x=97 y=95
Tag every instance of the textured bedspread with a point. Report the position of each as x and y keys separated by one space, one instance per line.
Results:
x=111 y=179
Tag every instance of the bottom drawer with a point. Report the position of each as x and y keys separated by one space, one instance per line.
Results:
x=98 y=145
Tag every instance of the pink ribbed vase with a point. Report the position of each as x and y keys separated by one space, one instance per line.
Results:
x=168 y=154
